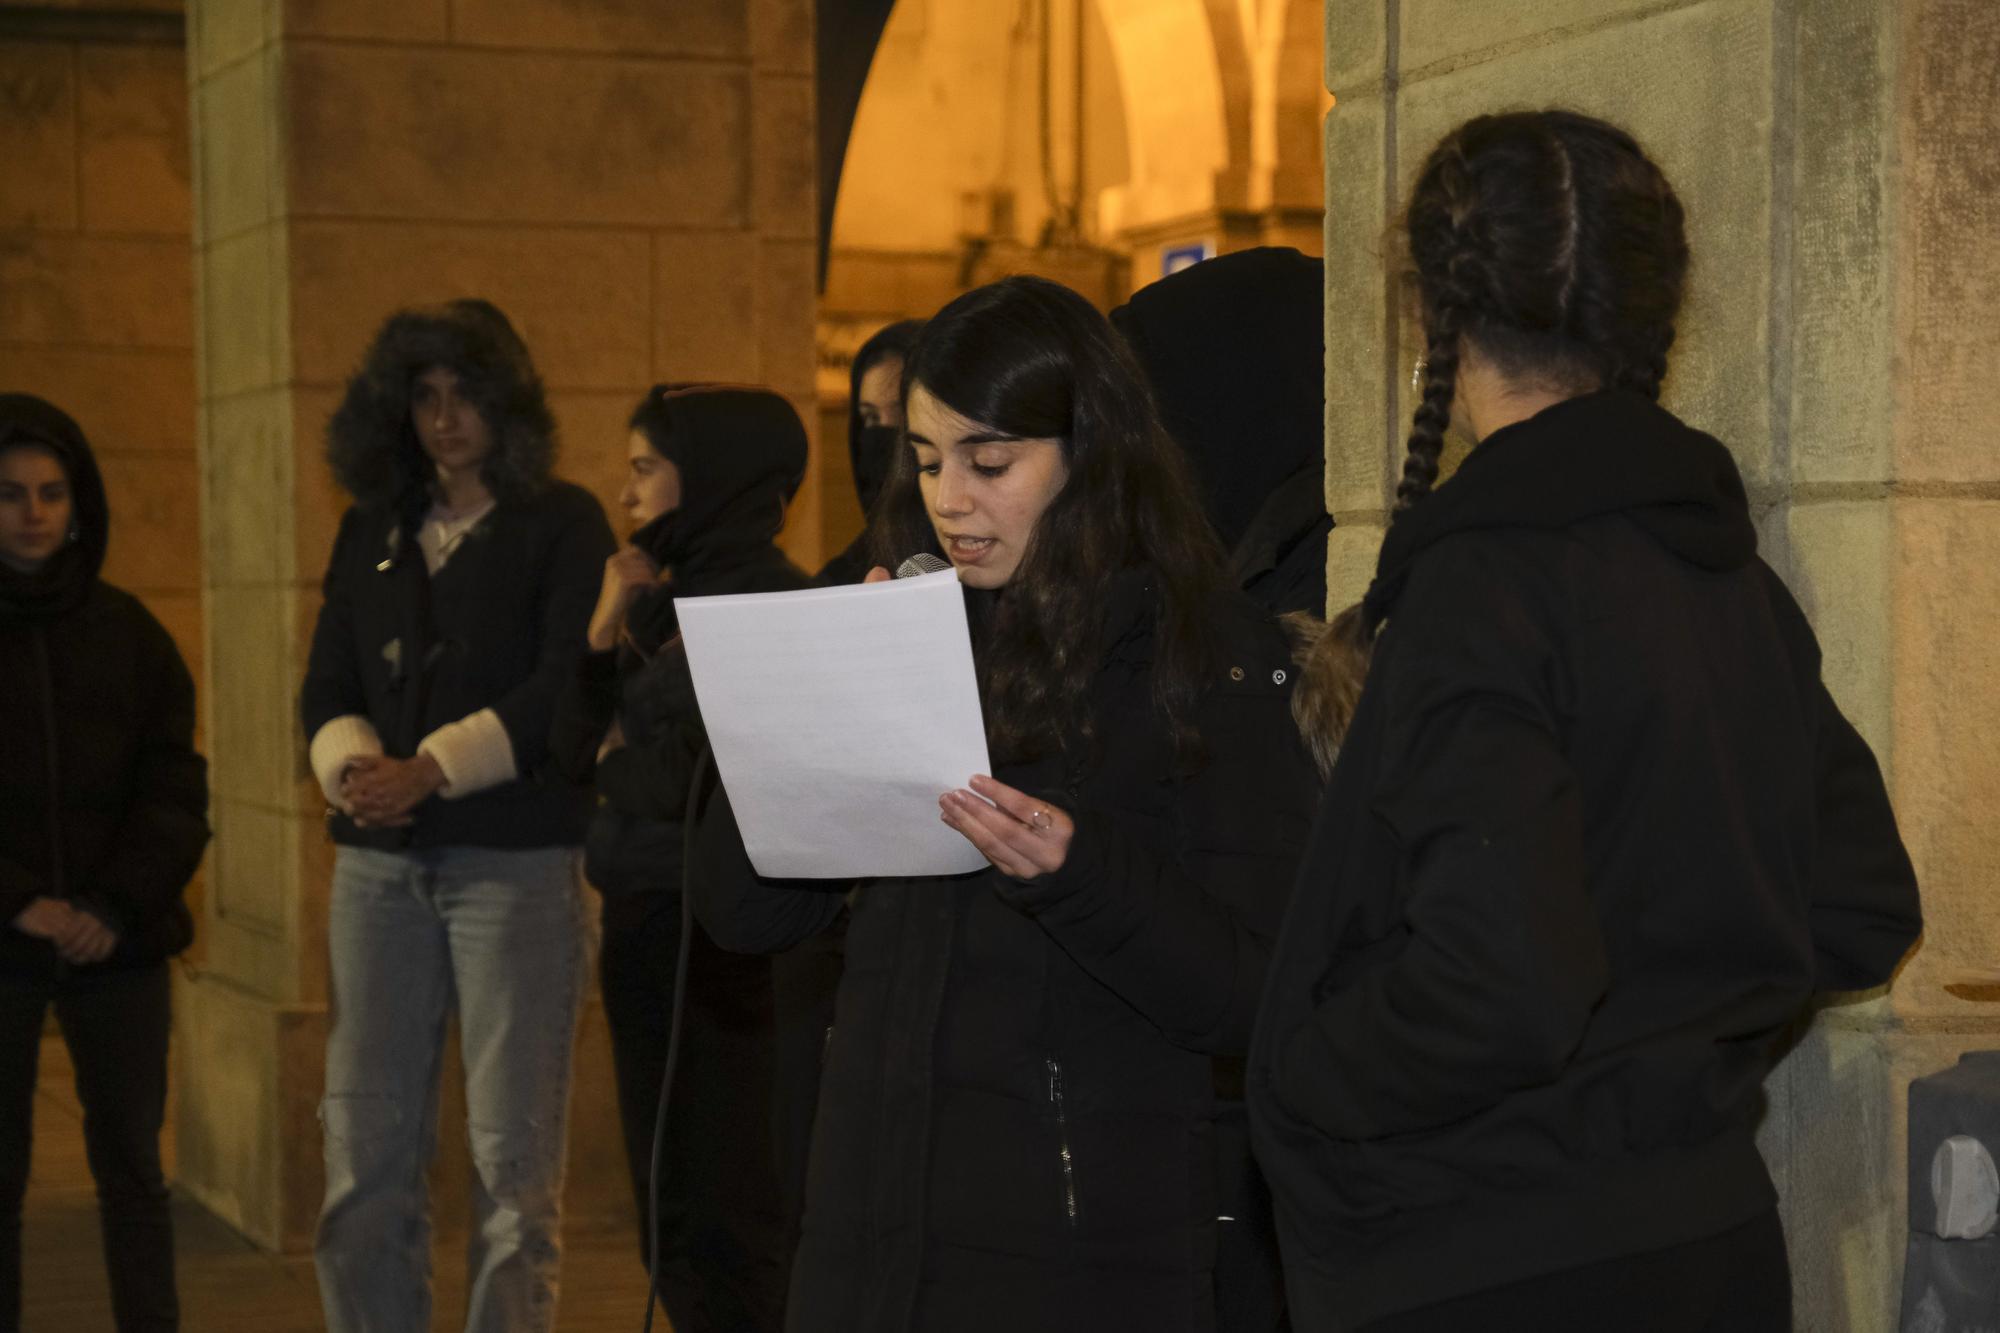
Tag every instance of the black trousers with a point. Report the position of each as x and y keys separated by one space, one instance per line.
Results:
x=115 y=1023
x=1737 y=1282
x=722 y=1259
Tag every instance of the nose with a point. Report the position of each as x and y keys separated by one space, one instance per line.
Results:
x=951 y=499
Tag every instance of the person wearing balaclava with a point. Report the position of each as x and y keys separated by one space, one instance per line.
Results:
x=874 y=433
x=1235 y=349
x=710 y=471
x=103 y=817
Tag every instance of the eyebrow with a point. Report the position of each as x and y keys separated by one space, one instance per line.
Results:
x=977 y=437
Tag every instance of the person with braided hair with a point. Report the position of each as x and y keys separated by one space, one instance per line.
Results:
x=1596 y=831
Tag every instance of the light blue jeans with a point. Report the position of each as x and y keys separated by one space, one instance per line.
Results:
x=500 y=935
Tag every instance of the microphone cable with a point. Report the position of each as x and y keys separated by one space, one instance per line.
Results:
x=702 y=767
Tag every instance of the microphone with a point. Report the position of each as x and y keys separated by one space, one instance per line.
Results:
x=923 y=562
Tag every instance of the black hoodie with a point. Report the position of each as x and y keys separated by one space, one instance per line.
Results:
x=1235 y=350
x=1595 y=835
x=103 y=800
x=741 y=454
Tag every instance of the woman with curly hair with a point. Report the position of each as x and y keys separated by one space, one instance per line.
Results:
x=1016 y=1119
x=1596 y=831
x=457 y=594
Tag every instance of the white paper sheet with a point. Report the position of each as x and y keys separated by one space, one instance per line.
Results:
x=838 y=717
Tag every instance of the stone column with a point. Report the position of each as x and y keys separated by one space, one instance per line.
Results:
x=1842 y=336
x=633 y=184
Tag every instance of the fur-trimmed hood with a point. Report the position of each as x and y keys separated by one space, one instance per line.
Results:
x=372 y=446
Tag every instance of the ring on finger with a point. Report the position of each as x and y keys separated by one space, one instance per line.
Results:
x=1038 y=819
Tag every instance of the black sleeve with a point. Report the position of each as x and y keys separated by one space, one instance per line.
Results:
x=159 y=842
x=664 y=739
x=1184 y=934
x=741 y=911
x=1864 y=909
x=332 y=687
x=584 y=711
x=569 y=595
x=1488 y=986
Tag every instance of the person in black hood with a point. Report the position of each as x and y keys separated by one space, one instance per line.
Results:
x=103 y=817
x=458 y=589
x=1235 y=350
x=874 y=433
x=1596 y=830
x=712 y=469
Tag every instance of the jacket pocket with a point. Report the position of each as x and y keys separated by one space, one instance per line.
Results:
x=1058 y=1104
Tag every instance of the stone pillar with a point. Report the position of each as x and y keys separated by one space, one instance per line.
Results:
x=1842 y=336
x=633 y=184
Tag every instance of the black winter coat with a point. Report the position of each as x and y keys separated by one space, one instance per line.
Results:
x=1015 y=1120
x=1595 y=835
x=103 y=799
x=500 y=626
x=741 y=454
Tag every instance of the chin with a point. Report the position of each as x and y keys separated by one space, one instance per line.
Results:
x=974 y=576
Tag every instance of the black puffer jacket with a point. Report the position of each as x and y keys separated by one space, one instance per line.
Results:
x=1014 y=1126
x=741 y=454
x=1596 y=833
x=103 y=800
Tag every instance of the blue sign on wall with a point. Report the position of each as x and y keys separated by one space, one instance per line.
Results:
x=1177 y=257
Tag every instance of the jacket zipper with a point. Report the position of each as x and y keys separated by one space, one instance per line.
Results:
x=54 y=763
x=1062 y=1139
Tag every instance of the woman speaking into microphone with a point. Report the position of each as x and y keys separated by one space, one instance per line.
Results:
x=1014 y=1126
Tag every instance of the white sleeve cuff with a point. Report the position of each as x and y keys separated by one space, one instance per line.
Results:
x=474 y=752
x=334 y=744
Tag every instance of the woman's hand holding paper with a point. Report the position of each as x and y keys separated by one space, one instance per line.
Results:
x=1021 y=836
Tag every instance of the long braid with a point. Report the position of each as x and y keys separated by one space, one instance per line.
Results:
x=1433 y=414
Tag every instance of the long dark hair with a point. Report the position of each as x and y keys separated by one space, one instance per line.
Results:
x=1033 y=359
x=371 y=444
x=1549 y=242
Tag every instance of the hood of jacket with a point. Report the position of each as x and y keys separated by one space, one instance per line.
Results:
x=1613 y=452
x=371 y=444
x=1235 y=349
x=741 y=453
x=65 y=579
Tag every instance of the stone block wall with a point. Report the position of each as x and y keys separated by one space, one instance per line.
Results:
x=633 y=184
x=1842 y=330
x=96 y=285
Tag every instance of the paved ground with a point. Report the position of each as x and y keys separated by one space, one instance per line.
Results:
x=228 y=1285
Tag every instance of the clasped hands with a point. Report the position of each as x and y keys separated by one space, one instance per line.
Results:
x=79 y=936
x=380 y=792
